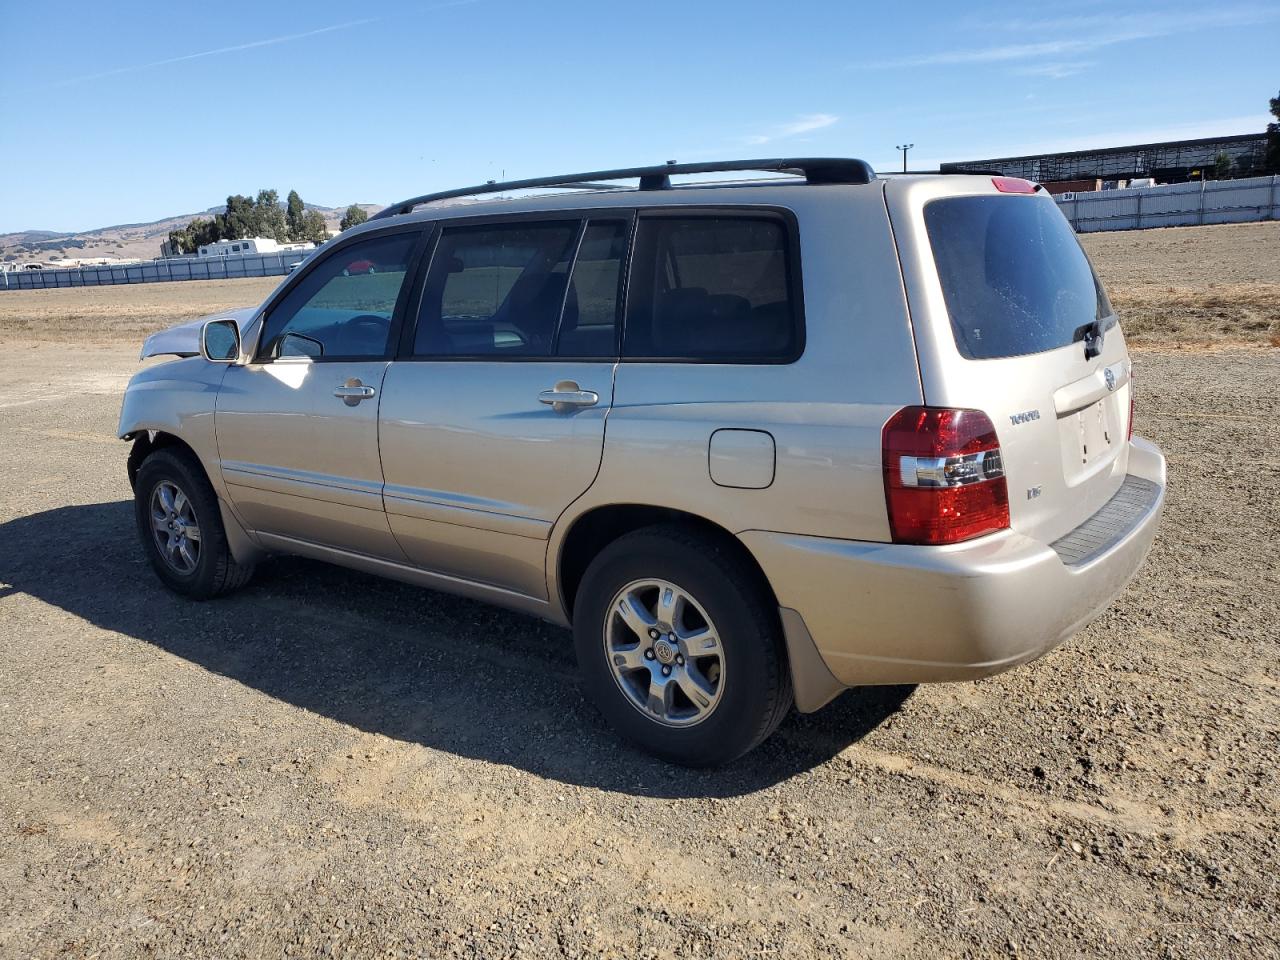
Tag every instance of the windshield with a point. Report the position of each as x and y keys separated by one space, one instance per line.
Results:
x=1015 y=278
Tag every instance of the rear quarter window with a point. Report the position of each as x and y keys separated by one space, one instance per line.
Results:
x=714 y=289
x=1015 y=279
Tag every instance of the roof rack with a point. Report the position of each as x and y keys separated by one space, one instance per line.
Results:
x=814 y=170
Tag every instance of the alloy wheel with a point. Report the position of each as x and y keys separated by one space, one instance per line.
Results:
x=664 y=652
x=174 y=527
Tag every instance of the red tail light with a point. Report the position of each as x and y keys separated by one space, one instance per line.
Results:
x=943 y=476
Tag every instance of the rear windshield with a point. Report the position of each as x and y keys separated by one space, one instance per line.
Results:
x=1014 y=276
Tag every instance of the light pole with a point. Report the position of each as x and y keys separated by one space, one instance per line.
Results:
x=904 y=147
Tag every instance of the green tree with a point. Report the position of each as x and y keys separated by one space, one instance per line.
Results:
x=1221 y=166
x=181 y=239
x=199 y=231
x=270 y=219
x=294 y=212
x=314 y=228
x=208 y=231
x=354 y=215
x=1273 y=138
x=240 y=219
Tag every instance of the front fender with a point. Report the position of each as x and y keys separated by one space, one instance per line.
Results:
x=177 y=398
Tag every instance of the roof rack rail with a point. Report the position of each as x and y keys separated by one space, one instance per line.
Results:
x=814 y=169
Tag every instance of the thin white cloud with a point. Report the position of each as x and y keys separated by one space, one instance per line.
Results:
x=1054 y=71
x=813 y=121
x=271 y=41
x=252 y=45
x=1008 y=52
x=1190 y=17
x=1104 y=33
x=805 y=123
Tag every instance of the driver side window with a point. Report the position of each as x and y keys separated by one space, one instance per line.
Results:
x=342 y=307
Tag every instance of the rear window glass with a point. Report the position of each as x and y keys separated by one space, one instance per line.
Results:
x=1013 y=274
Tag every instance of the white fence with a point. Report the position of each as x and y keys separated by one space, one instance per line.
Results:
x=1174 y=205
x=156 y=271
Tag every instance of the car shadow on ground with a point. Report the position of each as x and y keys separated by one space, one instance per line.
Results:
x=412 y=664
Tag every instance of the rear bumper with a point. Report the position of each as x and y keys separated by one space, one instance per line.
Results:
x=889 y=613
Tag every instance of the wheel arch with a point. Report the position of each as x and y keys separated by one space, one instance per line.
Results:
x=593 y=530
x=812 y=682
x=146 y=442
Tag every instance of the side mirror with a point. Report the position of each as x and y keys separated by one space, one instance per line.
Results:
x=220 y=341
x=299 y=345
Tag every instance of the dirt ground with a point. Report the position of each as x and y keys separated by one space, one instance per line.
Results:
x=329 y=764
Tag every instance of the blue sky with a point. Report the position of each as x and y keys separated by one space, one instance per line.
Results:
x=128 y=112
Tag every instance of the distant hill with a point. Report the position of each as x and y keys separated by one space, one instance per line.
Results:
x=127 y=241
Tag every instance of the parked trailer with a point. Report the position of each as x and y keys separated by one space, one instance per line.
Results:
x=240 y=248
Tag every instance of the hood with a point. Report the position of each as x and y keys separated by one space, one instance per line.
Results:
x=184 y=339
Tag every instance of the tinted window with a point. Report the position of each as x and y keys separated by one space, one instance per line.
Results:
x=342 y=307
x=711 y=289
x=496 y=290
x=589 y=326
x=1013 y=274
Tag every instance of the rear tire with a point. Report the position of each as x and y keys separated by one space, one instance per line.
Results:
x=180 y=527
x=699 y=681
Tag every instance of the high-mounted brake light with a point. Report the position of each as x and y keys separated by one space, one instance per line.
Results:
x=1013 y=185
x=943 y=476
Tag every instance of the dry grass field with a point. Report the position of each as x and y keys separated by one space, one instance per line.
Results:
x=327 y=764
x=1183 y=287
x=125 y=312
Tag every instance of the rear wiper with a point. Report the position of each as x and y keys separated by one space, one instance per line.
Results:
x=1092 y=335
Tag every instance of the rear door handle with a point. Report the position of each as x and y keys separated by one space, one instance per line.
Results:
x=567 y=395
x=353 y=391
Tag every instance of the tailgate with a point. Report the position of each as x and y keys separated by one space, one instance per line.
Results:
x=1063 y=434
x=1010 y=320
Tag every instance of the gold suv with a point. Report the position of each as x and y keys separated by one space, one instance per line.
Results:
x=756 y=441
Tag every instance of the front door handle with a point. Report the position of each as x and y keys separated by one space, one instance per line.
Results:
x=567 y=395
x=353 y=391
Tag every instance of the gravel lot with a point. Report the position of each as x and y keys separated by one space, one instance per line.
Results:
x=326 y=763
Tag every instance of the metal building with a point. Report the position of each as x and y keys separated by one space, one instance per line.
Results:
x=1174 y=162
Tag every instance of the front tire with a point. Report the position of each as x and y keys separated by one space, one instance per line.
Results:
x=180 y=527
x=680 y=647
